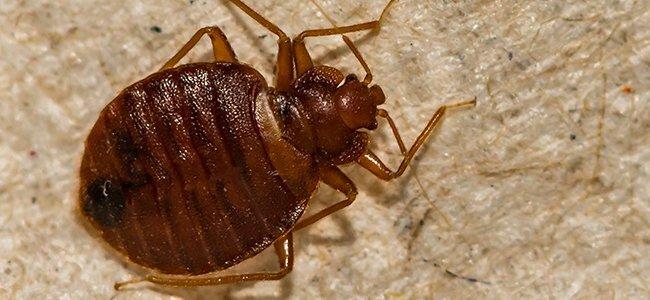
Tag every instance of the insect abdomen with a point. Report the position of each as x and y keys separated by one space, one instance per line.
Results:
x=190 y=186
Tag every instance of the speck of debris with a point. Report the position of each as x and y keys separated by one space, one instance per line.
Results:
x=32 y=153
x=156 y=29
x=261 y=36
x=572 y=136
x=33 y=200
x=510 y=55
x=192 y=2
x=627 y=89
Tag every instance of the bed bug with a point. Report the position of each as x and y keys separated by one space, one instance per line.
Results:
x=201 y=166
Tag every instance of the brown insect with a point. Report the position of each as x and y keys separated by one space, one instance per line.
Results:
x=199 y=167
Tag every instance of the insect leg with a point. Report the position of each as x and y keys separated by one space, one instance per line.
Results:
x=384 y=114
x=284 y=64
x=283 y=248
x=335 y=178
x=220 y=46
x=302 y=58
x=373 y=164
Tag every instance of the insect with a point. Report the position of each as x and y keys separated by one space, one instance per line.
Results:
x=201 y=166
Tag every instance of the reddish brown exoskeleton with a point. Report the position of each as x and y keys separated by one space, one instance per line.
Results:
x=201 y=166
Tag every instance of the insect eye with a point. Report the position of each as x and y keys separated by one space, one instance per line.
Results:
x=351 y=77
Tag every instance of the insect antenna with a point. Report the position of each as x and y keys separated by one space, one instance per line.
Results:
x=368 y=78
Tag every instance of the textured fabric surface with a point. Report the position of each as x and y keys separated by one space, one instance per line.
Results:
x=540 y=191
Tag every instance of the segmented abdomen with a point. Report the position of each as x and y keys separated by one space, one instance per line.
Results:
x=175 y=174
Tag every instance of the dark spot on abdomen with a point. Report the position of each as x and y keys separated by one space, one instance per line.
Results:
x=105 y=202
x=124 y=145
x=128 y=152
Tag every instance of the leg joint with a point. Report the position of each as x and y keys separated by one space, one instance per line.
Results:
x=286 y=270
x=211 y=30
x=299 y=38
x=389 y=177
x=284 y=40
x=351 y=196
